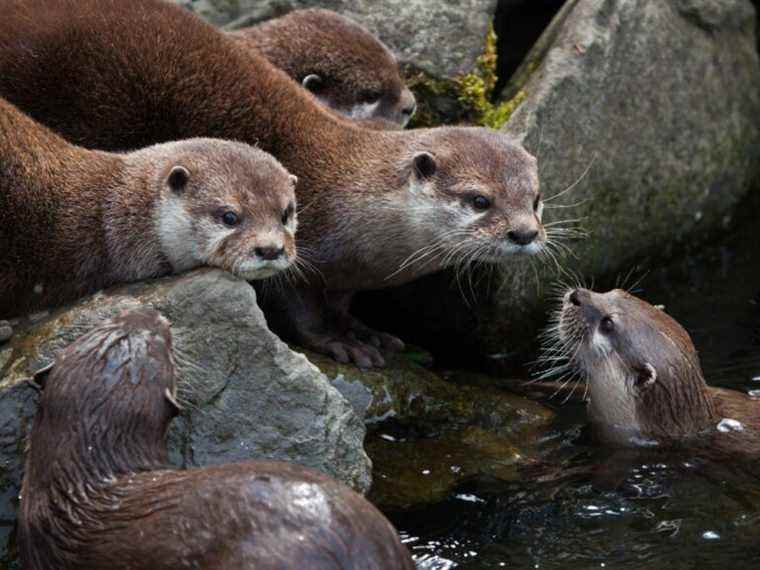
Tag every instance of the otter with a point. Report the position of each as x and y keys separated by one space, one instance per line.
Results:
x=379 y=208
x=645 y=381
x=346 y=67
x=74 y=221
x=98 y=491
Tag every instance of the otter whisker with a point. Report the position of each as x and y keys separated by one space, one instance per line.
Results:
x=574 y=184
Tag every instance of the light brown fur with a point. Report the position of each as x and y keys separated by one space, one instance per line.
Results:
x=348 y=69
x=73 y=221
x=124 y=75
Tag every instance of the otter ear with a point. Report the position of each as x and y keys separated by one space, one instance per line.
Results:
x=312 y=82
x=424 y=165
x=39 y=378
x=293 y=180
x=646 y=376
x=173 y=401
x=178 y=178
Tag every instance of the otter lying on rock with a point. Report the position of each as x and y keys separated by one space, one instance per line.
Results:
x=98 y=492
x=74 y=221
x=346 y=67
x=379 y=208
x=645 y=381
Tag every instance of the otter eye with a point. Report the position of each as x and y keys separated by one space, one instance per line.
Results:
x=230 y=219
x=312 y=82
x=481 y=203
x=607 y=325
x=371 y=96
x=536 y=203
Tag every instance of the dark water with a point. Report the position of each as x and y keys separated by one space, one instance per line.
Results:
x=585 y=508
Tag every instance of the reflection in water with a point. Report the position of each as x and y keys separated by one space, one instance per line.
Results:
x=587 y=508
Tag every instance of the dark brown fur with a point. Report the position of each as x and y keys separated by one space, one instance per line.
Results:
x=358 y=75
x=646 y=383
x=73 y=221
x=118 y=75
x=98 y=493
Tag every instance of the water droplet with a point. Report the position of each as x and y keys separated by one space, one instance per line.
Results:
x=727 y=424
x=710 y=535
x=426 y=471
x=387 y=437
x=754 y=394
x=469 y=498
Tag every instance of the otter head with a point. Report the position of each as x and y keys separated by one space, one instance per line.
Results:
x=472 y=194
x=645 y=380
x=228 y=205
x=340 y=62
x=108 y=399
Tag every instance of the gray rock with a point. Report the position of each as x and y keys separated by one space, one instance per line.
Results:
x=441 y=38
x=246 y=394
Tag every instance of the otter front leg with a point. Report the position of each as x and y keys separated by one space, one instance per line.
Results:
x=310 y=318
x=339 y=305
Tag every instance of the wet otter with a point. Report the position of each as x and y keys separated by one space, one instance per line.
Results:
x=645 y=381
x=339 y=61
x=380 y=208
x=98 y=492
x=73 y=221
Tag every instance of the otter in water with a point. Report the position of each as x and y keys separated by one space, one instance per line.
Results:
x=73 y=221
x=98 y=492
x=645 y=381
x=339 y=61
x=379 y=208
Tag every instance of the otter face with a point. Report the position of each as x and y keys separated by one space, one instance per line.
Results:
x=478 y=195
x=234 y=209
x=636 y=359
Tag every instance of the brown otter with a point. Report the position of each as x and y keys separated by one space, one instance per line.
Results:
x=73 y=221
x=339 y=61
x=645 y=381
x=380 y=208
x=98 y=491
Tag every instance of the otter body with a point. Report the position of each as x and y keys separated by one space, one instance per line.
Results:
x=645 y=381
x=380 y=208
x=73 y=221
x=346 y=67
x=98 y=492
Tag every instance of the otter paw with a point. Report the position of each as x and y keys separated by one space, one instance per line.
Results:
x=351 y=350
x=362 y=333
x=6 y=331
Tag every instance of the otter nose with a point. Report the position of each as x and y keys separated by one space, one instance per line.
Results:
x=522 y=237
x=575 y=298
x=269 y=253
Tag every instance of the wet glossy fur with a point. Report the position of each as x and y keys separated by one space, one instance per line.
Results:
x=98 y=492
x=645 y=381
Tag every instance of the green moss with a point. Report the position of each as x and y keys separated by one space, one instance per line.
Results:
x=476 y=89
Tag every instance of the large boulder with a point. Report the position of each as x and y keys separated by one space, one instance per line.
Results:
x=658 y=103
x=246 y=394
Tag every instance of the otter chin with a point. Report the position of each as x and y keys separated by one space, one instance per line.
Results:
x=645 y=382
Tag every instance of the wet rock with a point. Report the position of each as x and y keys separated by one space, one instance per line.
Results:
x=407 y=392
x=246 y=394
